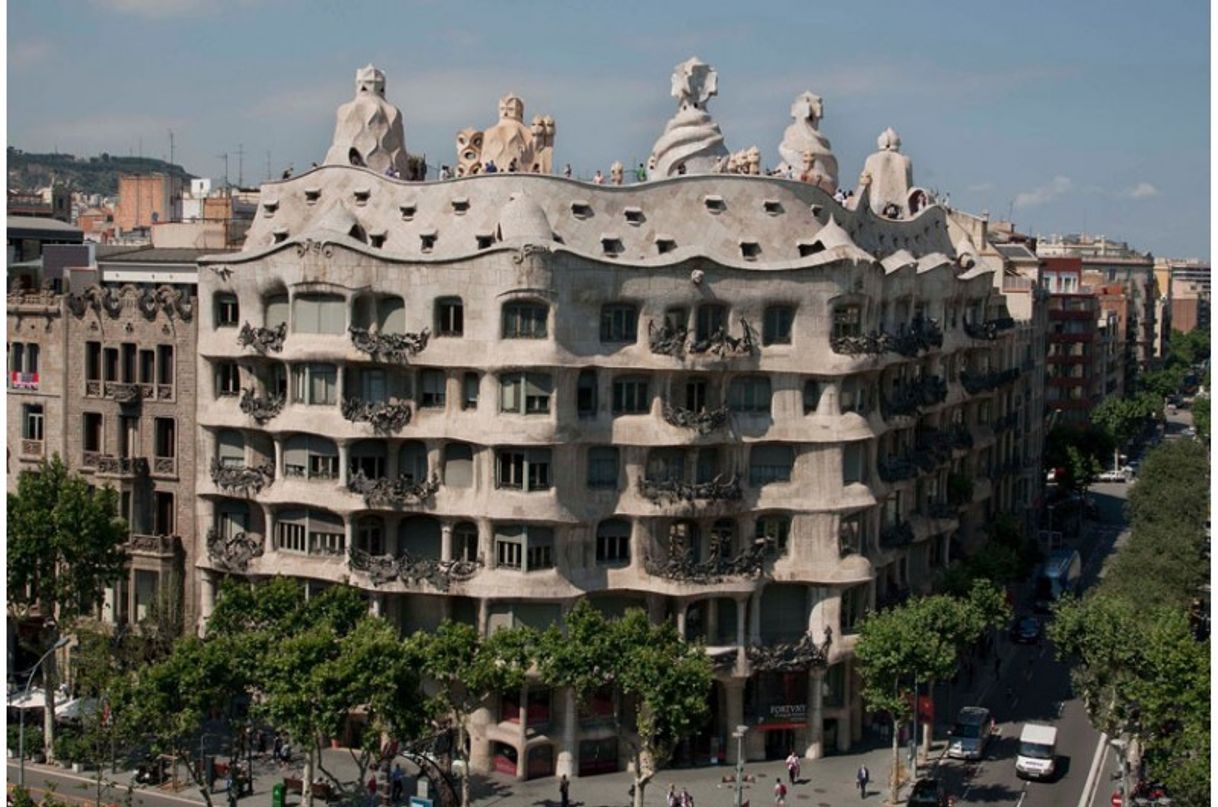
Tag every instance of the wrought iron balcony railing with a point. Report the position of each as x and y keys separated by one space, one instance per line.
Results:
x=664 y=491
x=703 y=421
x=122 y=467
x=390 y=347
x=791 y=656
x=233 y=553
x=241 y=479
x=386 y=492
x=263 y=340
x=261 y=407
x=384 y=416
x=441 y=574
x=749 y=562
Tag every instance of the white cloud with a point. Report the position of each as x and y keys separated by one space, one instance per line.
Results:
x=28 y=52
x=1058 y=186
x=1143 y=190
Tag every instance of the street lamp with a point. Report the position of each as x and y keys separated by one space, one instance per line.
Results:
x=739 y=735
x=63 y=640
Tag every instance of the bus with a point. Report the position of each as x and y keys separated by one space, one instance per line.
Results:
x=1058 y=575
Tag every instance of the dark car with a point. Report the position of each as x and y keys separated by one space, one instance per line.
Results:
x=928 y=792
x=1026 y=630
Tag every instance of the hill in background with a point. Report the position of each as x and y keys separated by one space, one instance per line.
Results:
x=28 y=171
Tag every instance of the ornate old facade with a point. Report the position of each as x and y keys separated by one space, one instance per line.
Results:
x=727 y=399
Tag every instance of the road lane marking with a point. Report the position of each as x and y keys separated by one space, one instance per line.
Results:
x=1093 y=775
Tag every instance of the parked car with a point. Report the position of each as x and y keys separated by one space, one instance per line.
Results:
x=1026 y=630
x=971 y=733
x=1113 y=476
x=928 y=792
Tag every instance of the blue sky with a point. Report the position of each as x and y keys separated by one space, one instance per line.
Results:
x=1069 y=114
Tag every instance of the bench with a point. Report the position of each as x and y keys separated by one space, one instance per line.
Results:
x=321 y=790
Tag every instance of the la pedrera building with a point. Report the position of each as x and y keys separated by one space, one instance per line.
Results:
x=723 y=397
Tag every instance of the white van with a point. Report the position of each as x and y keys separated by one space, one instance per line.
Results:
x=1037 y=755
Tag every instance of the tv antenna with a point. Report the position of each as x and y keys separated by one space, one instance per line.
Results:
x=224 y=157
x=240 y=165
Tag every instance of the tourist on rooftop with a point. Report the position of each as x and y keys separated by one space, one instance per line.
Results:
x=640 y=173
x=599 y=179
x=567 y=171
x=512 y=166
x=490 y=167
x=445 y=172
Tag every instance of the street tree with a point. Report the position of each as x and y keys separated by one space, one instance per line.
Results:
x=65 y=545
x=466 y=672
x=1201 y=416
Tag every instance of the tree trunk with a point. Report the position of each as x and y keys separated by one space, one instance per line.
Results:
x=644 y=770
x=306 y=778
x=928 y=728
x=464 y=757
x=894 y=779
x=48 y=714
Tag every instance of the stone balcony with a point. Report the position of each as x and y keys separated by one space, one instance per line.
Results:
x=159 y=546
x=119 y=467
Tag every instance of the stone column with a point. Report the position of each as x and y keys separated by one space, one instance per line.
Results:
x=682 y=608
x=755 y=617
x=484 y=615
x=816 y=693
x=733 y=688
x=268 y=540
x=522 y=739
x=446 y=541
x=278 y=457
x=349 y=534
x=565 y=765
x=742 y=604
x=376 y=604
x=207 y=598
x=344 y=459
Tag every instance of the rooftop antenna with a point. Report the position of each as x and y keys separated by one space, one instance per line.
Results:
x=240 y=165
x=171 y=147
x=224 y=157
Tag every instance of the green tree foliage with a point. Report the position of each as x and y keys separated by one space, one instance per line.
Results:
x=1004 y=558
x=1201 y=416
x=468 y=671
x=668 y=679
x=1083 y=468
x=65 y=545
x=1068 y=445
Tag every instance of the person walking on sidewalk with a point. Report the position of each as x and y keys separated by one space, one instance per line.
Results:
x=864 y=776
x=792 y=767
x=564 y=791
x=396 y=780
x=671 y=799
x=780 y=793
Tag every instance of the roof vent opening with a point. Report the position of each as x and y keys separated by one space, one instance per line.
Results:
x=612 y=246
x=280 y=235
x=485 y=241
x=664 y=245
x=377 y=239
x=806 y=249
x=715 y=204
x=750 y=250
x=269 y=206
x=407 y=211
x=816 y=210
x=634 y=215
x=361 y=195
x=312 y=195
x=581 y=210
x=357 y=232
x=772 y=207
x=460 y=206
x=427 y=241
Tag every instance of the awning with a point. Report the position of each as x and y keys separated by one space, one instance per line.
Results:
x=77 y=708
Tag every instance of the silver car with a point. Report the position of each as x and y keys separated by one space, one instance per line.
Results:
x=970 y=733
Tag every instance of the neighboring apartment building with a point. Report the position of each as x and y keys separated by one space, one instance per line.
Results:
x=102 y=372
x=146 y=199
x=1186 y=289
x=1074 y=383
x=725 y=399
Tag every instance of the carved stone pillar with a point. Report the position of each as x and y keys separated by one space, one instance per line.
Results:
x=522 y=755
x=446 y=541
x=349 y=533
x=742 y=608
x=376 y=604
x=207 y=598
x=268 y=540
x=816 y=697
x=733 y=689
x=712 y=621
x=565 y=765
x=278 y=457
x=682 y=608
x=344 y=459
x=484 y=615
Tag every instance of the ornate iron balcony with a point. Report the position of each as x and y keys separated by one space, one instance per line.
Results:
x=391 y=347
x=791 y=656
x=233 y=554
x=667 y=340
x=163 y=545
x=263 y=340
x=241 y=479
x=669 y=490
x=441 y=574
x=261 y=408
x=703 y=422
x=385 y=416
x=975 y=383
x=126 y=467
x=750 y=562
x=723 y=345
x=124 y=394
x=990 y=328
x=384 y=491
x=923 y=334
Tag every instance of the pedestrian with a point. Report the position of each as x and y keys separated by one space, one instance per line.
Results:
x=372 y=789
x=287 y=751
x=277 y=750
x=490 y=167
x=599 y=179
x=686 y=799
x=395 y=783
x=566 y=171
x=864 y=776
x=512 y=166
x=640 y=173
x=564 y=791
x=671 y=799
x=780 y=792
x=792 y=767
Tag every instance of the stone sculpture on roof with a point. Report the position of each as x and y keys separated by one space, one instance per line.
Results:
x=803 y=136
x=369 y=129
x=888 y=177
x=530 y=147
x=692 y=142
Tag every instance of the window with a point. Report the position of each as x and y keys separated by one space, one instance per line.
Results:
x=128 y=366
x=432 y=385
x=227 y=312
x=128 y=436
x=228 y=379
x=111 y=364
x=750 y=394
x=696 y=394
x=370 y=535
x=521 y=469
x=93 y=430
x=811 y=395
x=315 y=384
x=412 y=461
x=770 y=463
x=319 y=313
x=707 y=465
x=371 y=385
x=166 y=434
x=164 y=365
x=276 y=310
x=854 y=463
x=524 y=547
x=850 y=534
x=450 y=317
x=391 y=314
x=525 y=393
x=368 y=457
x=524 y=320
x=712 y=319
x=854 y=396
x=469 y=391
x=230 y=449
x=458 y=465
x=666 y=465
x=93 y=361
x=613 y=542
x=163 y=513
x=316 y=532
x=310 y=457
x=147 y=366
x=847 y=321
x=619 y=323
x=465 y=541
x=31 y=422
x=776 y=329
x=773 y=531
x=630 y=396
x=602 y=468
x=854 y=606
x=676 y=319
x=585 y=394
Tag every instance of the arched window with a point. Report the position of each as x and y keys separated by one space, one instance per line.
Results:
x=230 y=448
x=613 y=542
x=525 y=319
x=419 y=537
x=308 y=456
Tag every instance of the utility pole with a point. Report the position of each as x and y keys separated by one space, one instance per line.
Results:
x=171 y=146
x=224 y=157
x=240 y=165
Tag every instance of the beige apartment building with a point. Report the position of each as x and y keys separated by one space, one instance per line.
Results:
x=725 y=398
